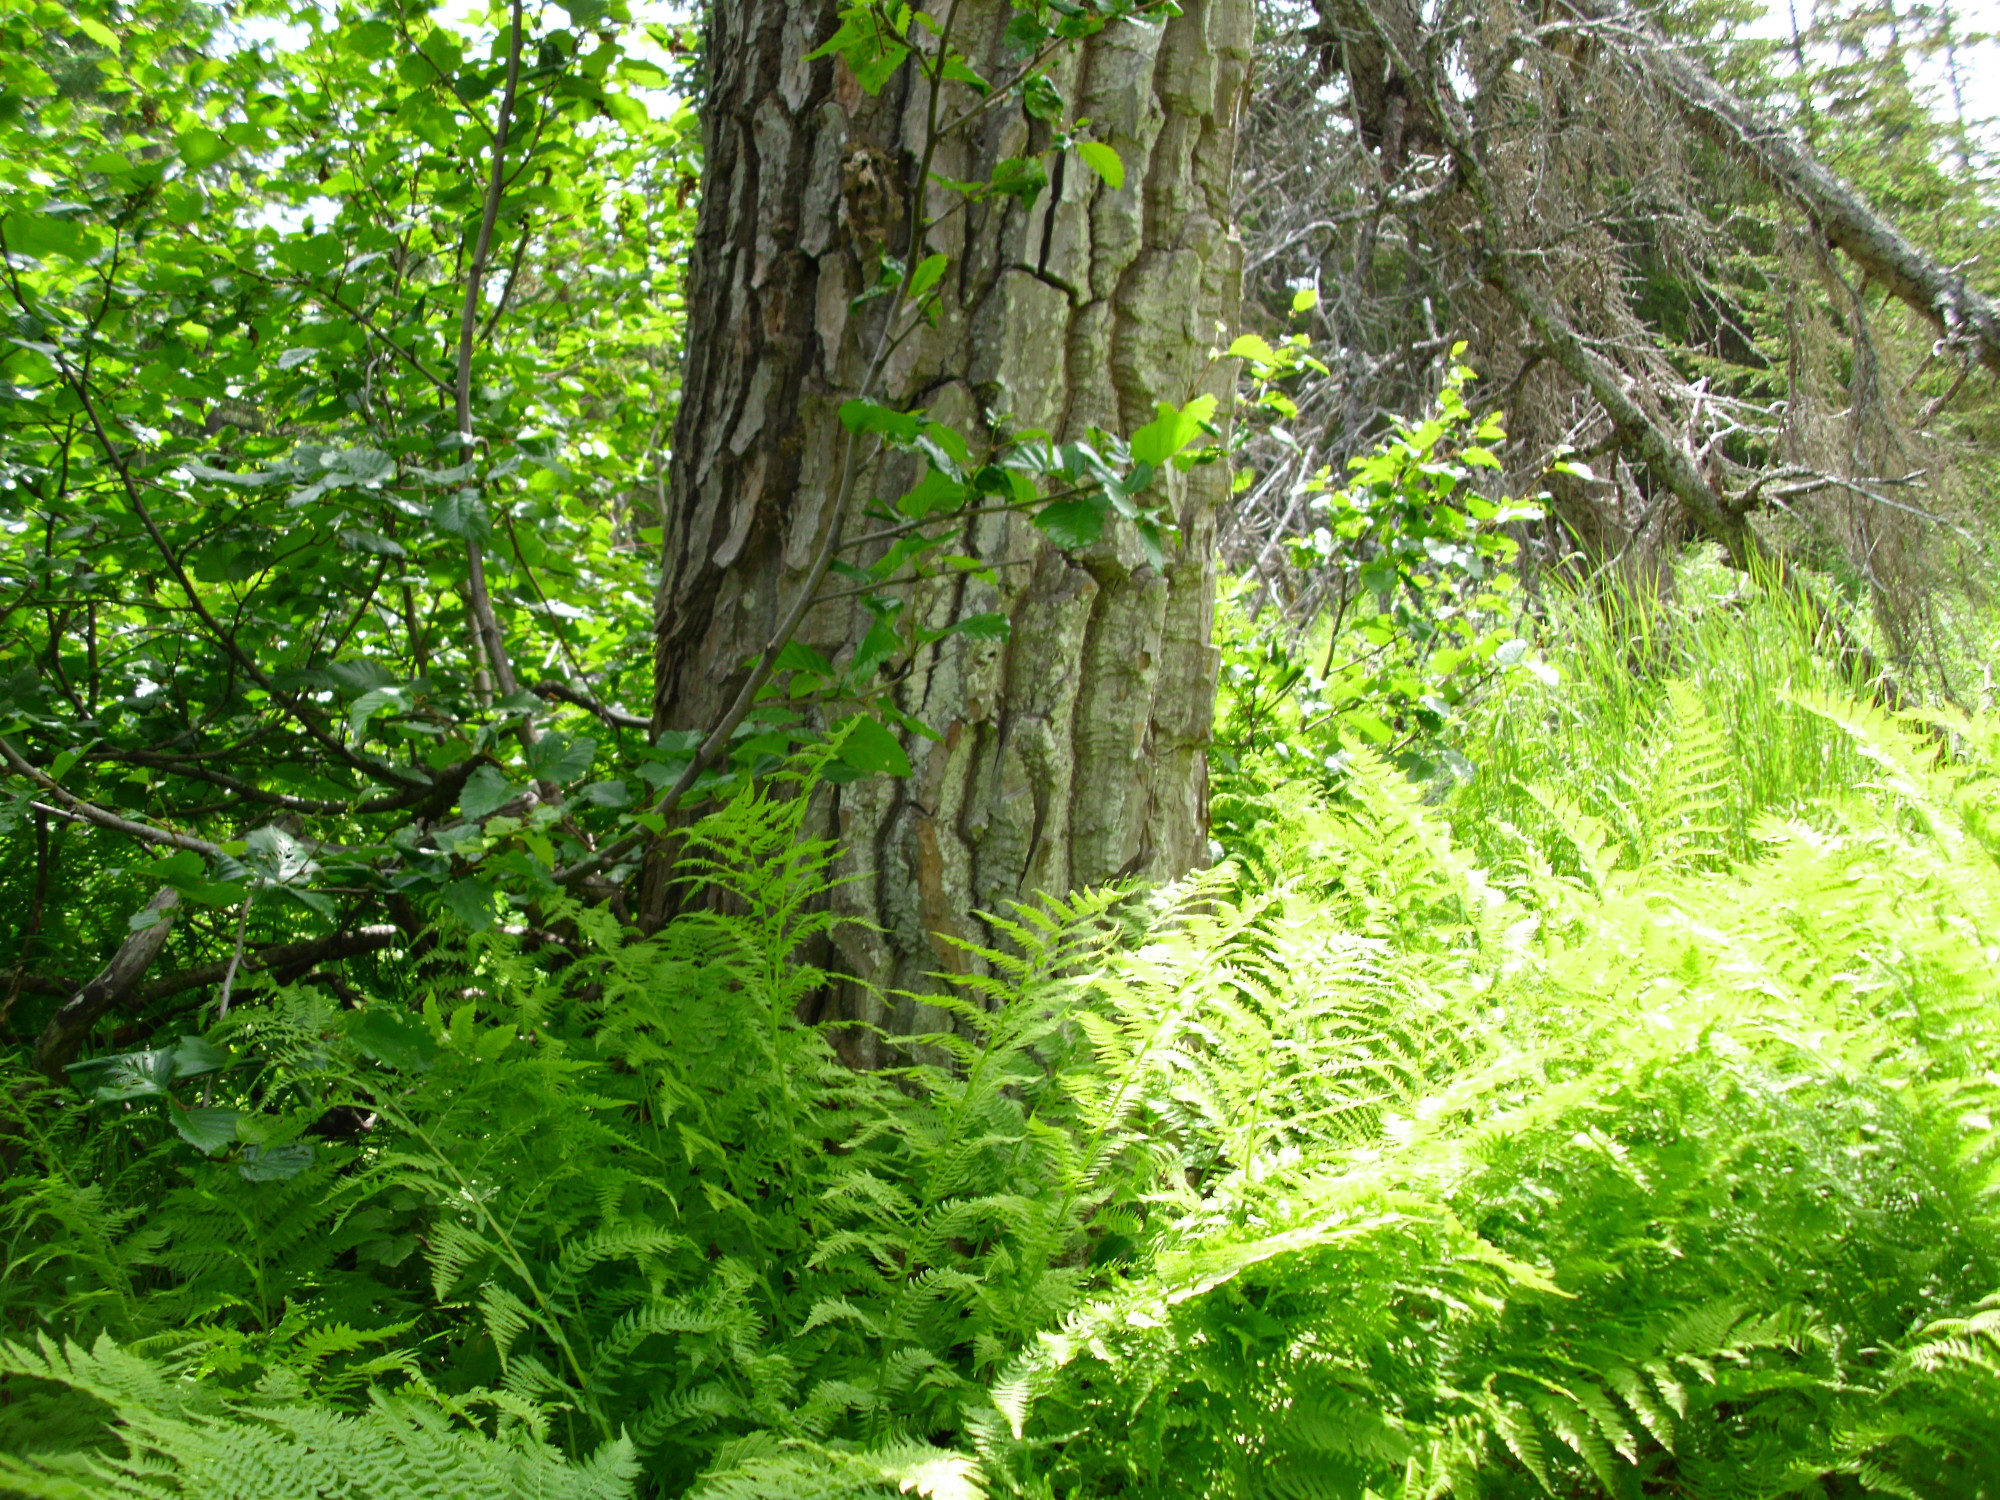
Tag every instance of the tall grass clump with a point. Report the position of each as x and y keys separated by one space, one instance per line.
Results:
x=1602 y=729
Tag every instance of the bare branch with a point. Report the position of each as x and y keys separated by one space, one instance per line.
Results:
x=564 y=692
x=279 y=959
x=480 y=601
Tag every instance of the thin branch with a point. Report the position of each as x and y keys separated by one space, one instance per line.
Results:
x=235 y=958
x=63 y=1037
x=177 y=766
x=76 y=809
x=564 y=692
x=479 y=599
x=279 y=958
x=80 y=387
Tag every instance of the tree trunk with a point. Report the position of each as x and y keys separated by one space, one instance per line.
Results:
x=1072 y=751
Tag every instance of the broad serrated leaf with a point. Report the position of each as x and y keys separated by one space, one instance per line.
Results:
x=471 y=900
x=1072 y=524
x=870 y=748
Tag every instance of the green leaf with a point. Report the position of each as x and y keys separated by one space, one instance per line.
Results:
x=867 y=416
x=799 y=657
x=1020 y=177
x=373 y=543
x=200 y=147
x=1369 y=726
x=471 y=901
x=179 y=869
x=486 y=791
x=879 y=645
x=461 y=513
x=870 y=748
x=196 y=1055
x=187 y=872
x=933 y=495
x=124 y=1075
x=1071 y=524
x=443 y=49
x=560 y=758
x=1041 y=99
x=357 y=674
x=196 y=469
x=373 y=702
x=947 y=447
x=1305 y=300
x=943 y=456
x=1104 y=161
x=1026 y=32
x=368 y=39
x=1250 y=346
x=984 y=627
x=207 y=1130
x=958 y=70
x=870 y=49
x=978 y=567
x=929 y=270
x=99 y=33
x=316 y=902
x=1171 y=431
x=43 y=235
x=1150 y=541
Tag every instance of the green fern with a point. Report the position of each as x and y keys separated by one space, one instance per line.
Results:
x=181 y=1438
x=1352 y=1165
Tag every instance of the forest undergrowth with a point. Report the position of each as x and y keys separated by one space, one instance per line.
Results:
x=1618 y=1124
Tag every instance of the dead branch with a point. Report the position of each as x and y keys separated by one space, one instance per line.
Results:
x=1783 y=162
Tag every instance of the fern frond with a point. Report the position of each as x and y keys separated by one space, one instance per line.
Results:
x=180 y=1439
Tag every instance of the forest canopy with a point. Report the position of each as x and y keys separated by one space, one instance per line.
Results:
x=1034 y=747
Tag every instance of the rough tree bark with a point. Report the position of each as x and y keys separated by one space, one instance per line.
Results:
x=1071 y=752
